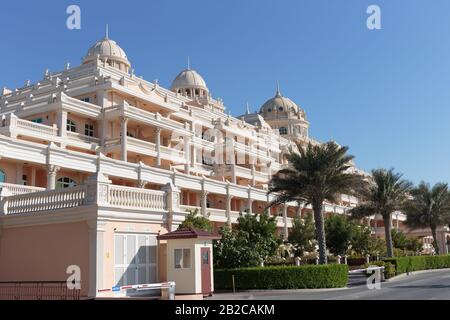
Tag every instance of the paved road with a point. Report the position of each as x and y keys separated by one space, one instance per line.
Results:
x=430 y=285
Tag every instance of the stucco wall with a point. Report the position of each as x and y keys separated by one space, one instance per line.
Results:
x=43 y=253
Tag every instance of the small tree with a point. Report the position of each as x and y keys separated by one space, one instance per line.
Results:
x=251 y=243
x=362 y=240
x=399 y=239
x=338 y=232
x=194 y=220
x=303 y=235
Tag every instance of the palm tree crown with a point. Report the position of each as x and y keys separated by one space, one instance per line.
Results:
x=386 y=193
x=316 y=174
x=430 y=207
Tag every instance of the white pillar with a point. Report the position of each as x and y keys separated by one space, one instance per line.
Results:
x=124 y=132
x=204 y=202
x=285 y=225
x=158 y=147
x=33 y=176
x=96 y=241
x=253 y=175
x=228 y=208
x=61 y=116
x=19 y=173
x=52 y=171
x=187 y=153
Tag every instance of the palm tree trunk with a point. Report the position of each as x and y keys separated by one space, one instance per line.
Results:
x=387 y=218
x=320 y=233
x=435 y=244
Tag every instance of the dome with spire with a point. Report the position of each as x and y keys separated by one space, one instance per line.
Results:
x=109 y=50
x=280 y=107
x=189 y=83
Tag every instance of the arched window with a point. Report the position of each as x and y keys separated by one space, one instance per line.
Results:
x=2 y=176
x=71 y=126
x=65 y=182
x=283 y=131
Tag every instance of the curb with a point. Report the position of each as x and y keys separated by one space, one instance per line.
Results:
x=405 y=275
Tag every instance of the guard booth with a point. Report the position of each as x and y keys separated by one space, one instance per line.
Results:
x=190 y=261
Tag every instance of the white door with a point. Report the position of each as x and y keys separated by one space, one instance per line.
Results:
x=135 y=259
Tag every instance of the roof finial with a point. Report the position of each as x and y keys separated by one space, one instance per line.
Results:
x=248 y=109
x=107 y=32
x=189 y=63
x=278 y=89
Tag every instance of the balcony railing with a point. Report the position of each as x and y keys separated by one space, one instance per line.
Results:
x=45 y=201
x=116 y=196
x=9 y=189
x=137 y=198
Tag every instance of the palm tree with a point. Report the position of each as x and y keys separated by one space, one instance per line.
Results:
x=385 y=194
x=316 y=174
x=430 y=207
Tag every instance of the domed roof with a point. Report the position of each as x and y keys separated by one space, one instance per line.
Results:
x=279 y=104
x=189 y=79
x=108 y=49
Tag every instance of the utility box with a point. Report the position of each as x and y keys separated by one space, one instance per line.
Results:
x=190 y=261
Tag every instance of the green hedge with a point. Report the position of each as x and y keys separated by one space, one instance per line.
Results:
x=408 y=264
x=304 y=277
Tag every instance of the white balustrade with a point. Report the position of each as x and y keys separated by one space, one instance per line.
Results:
x=82 y=138
x=9 y=189
x=45 y=201
x=119 y=196
x=36 y=127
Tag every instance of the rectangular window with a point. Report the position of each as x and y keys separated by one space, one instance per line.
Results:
x=39 y=120
x=178 y=258
x=86 y=99
x=89 y=130
x=182 y=258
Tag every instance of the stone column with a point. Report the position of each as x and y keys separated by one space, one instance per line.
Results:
x=19 y=173
x=52 y=171
x=61 y=117
x=158 y=147
x=253 y=175
x=228 y=200
x=285 y=225
x=173 y=195
x=33 y=176
x=250 y=202
x=124 y=133
x=187 y=153
x=204 y=202
x=96 y=248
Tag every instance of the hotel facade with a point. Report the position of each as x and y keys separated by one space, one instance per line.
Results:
x=96 y=162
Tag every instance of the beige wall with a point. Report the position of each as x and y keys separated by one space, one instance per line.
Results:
x=43 y=253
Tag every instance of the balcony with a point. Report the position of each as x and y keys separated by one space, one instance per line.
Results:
x=114 y=197
x=8 y=189
x=146 y=148
x=241 y=172
x=14 y=126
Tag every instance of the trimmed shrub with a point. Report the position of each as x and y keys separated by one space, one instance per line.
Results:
x=389 y=268
x=304 y=277
x=409 y=264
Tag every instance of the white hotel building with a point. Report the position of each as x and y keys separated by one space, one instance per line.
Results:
x=96 y=162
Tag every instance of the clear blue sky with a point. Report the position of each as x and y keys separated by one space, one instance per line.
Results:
x=385 y=93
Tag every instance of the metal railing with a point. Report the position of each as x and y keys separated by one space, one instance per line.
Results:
x=50 y=290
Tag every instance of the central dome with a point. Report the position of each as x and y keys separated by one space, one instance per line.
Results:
x=279 y=105
x=189 y=79
x=108 y=49
x=189 y=83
